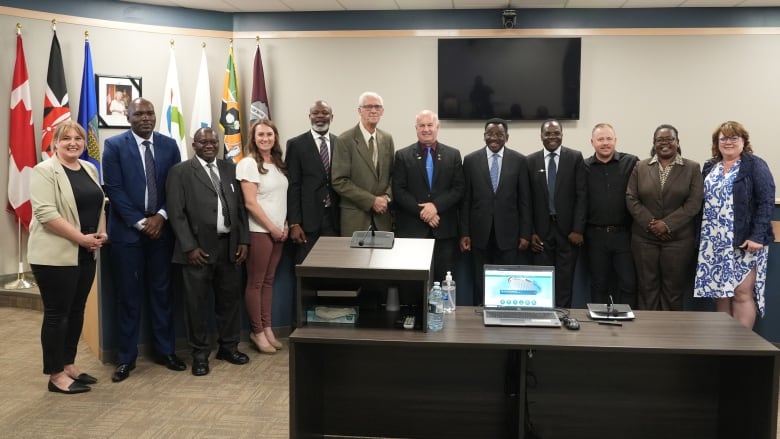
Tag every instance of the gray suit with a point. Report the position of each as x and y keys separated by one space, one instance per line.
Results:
x=356 y=181
x=192 y=212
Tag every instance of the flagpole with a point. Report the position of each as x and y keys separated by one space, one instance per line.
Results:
x=20 y=283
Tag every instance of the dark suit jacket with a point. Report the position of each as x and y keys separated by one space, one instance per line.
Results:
x=192 y=209
x=309 y=184
x=125 y=181
x=410 y=187
x=508 y=211
x=570 y=192
x=678 y=204
x=357 y=183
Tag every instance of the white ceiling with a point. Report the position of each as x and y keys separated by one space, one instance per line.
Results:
x=394 y=5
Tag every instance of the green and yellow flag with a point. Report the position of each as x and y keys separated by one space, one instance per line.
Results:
x=230 y=115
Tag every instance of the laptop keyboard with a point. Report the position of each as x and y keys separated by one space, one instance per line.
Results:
x=518 y=314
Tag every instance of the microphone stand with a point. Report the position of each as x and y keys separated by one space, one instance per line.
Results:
x=610 y=312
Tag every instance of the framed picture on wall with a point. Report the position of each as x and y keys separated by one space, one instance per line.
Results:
x=114 y=94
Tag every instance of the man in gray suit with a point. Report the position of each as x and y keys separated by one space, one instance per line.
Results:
x=206 y=211
x=362 y=169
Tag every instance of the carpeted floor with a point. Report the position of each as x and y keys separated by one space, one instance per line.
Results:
x=249 y=401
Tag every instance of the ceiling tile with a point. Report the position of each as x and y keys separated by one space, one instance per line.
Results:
x=534 y=4
x=480 y=4
x=424 y=4
x=251 y=5
x=595 y=3
x=369 y=5
x=710 y=3
x=759 y=3
x=313 y=5
x=652 y=3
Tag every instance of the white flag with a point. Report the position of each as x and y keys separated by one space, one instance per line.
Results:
x=201 y=111
x=172 y=122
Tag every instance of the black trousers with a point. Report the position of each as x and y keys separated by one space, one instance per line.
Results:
x=328 y=227
x=64 y=292
x=220 y=284
x=559 y=253
x=611 y=265
x=492 y=254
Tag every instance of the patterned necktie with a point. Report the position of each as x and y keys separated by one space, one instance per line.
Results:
x=151 y=179
x=552 y=172
x=494 y=172
x=220 y=193
x=372 y=150
x=325 y=164
x=429 y=165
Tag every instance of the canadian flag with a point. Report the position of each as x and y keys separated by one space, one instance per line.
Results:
x=22 y=152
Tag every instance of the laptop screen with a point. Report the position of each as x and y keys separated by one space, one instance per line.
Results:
x=519 y=286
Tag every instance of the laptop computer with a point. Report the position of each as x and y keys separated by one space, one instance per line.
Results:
x=520 y=295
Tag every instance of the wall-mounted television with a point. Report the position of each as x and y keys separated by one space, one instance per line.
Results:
x=511 y=78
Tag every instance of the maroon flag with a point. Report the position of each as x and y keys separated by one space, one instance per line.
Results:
x=21 y=149
x=260 y=108
x=55 y=103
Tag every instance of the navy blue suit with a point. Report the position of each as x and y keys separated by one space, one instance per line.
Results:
x=141 y=265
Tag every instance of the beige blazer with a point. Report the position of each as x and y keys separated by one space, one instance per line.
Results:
x=356 y=182
x=52 y=197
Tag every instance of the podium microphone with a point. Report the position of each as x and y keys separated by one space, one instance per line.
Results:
x=371 y=228
x=611 y=312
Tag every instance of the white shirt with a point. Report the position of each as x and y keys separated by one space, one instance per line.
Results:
x=490 y=159
x=547 y=159
x=271 y=192
x=317 y=142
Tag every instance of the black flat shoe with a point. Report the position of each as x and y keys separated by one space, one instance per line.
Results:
x=122 y=371
x=172 y=362
x=86 y=378
x=234 y=357
x=75 y=387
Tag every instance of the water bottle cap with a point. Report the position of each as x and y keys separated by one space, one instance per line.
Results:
x=437 y=284
x=448 y=276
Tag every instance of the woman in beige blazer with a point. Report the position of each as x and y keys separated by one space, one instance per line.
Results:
x=664 y=196
x=67 y=227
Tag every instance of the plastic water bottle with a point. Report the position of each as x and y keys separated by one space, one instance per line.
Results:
x=448 y=293
x=435 y=308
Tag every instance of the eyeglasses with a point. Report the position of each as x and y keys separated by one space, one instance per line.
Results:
x=732 y=139
x=371 y=107
x=664 y=139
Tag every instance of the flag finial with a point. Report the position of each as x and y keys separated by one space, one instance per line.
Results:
x=231 y=43
x=171 y=43
x=54 y=24
x=86 y=35
x=18 y=28
x=203 y=44
x=257 y=39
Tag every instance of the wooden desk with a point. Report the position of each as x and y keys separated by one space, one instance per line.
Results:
x=664 y=375
x=333 y=265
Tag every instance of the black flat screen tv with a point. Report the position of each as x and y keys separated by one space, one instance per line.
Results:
x=511 y=78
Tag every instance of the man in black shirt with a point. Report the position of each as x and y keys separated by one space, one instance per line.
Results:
x=608 y=231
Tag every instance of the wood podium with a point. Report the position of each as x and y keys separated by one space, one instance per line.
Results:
x=333 y=265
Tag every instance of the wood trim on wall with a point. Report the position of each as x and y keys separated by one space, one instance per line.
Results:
x=776 y=229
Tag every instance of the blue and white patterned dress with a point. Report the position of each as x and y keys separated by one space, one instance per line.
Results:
x=721 y=267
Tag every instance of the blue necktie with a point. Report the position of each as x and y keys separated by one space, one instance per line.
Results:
x=429 y=165
x=552 y=171
x=494 y=172
x=151 y=180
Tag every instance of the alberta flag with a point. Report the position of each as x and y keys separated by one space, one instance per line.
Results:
x=201 y=111
x=230 y=116
x=56 y=107
x=88 y=114
x=21 y=149
x=172 y=123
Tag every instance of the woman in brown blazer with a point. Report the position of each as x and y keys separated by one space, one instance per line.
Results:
x=664 y=196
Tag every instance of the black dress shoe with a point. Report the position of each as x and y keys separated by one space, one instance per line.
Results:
x=200 y=367
x=122 y=371
x=86 y=378
x=234 y=357
x=172 y=362
x=75 y=387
